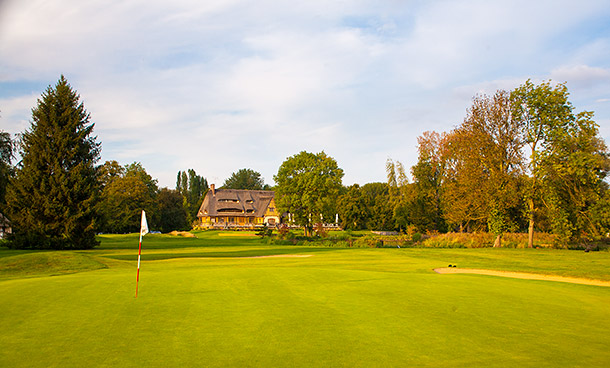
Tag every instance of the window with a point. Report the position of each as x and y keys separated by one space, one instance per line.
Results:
x=229 y=210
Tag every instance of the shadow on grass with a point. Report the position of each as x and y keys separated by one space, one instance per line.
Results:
x=228 y=254
x=164 y=241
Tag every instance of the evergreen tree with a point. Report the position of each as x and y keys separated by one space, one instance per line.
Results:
x=6 y=155
x=193 y=188
x=52 y=198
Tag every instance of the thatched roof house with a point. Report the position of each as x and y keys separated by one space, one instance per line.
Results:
x=238 y=208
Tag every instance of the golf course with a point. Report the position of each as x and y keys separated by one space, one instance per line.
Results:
x=229 y=299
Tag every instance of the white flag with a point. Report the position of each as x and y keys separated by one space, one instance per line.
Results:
x=144 y=226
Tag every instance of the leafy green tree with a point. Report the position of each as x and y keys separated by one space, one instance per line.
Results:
x=127 y=190
x=573 y=176
x=306 y=182
x=171 y=211
x=193 y=188
x=379 y=208
x=366 y=207
x=600 y=212
x=245 y=179
x=52 y=198
x=399 y=193
x=109 y=171
x=136 y=169
x=123 y=201
x=544 y=112
x=352 y=209
x=428 y=175
x=568 y=160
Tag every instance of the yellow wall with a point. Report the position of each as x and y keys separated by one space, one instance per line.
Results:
x=270 y=212
x=271 y=209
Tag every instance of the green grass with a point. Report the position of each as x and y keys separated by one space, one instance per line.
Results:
x=46 y=264
x=202 y=303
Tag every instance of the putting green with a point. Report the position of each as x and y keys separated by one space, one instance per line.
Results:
x=337 y=307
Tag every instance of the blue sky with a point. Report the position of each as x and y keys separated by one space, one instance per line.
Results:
x=221 y=85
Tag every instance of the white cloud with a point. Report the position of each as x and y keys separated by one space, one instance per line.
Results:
x=221 y=85
x=16 y=113
x=582 y=76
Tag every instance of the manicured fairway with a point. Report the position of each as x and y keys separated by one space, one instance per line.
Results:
x=202 y=303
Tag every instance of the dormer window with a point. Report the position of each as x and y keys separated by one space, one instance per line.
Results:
x=234 y=210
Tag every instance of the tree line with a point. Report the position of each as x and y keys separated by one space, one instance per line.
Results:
x=58 y=197
x=521 y=161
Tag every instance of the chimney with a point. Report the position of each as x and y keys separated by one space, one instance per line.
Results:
x=213 y=189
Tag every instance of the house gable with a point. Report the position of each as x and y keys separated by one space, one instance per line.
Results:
x=246 y=207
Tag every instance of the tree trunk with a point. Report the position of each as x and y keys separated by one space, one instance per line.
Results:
x=530 y=239
x=498 y=242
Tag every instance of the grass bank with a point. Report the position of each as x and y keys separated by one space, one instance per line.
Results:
x=203 y=302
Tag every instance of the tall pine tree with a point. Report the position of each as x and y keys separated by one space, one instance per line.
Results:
x=193 y=188
x=52 y=197
x=6 y=155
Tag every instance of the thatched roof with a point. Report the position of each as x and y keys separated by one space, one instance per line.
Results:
x=235 y=202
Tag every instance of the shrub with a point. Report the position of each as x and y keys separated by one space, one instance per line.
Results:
x=283 y=231
x=320 y=230
x=265 y=232
x=367 y=241
x=484 y=240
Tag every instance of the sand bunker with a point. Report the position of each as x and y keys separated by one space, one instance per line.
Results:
x=281 y=256
x=185 y=234
x=523 y=275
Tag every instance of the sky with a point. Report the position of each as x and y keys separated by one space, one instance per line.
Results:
x=217 y=86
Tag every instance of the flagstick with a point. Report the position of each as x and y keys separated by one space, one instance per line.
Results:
x=139 y=252
x=143 y=231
